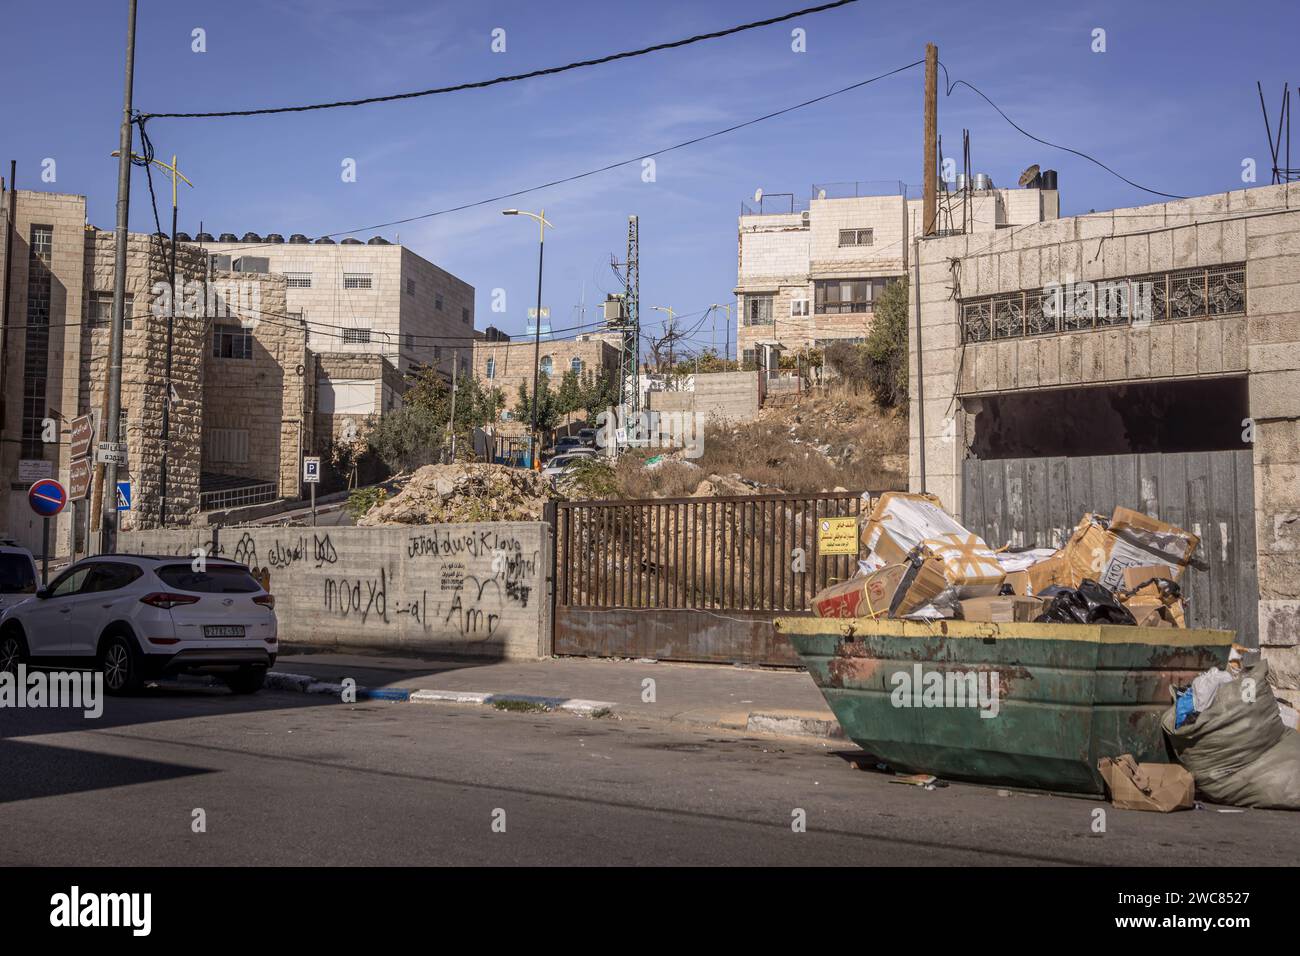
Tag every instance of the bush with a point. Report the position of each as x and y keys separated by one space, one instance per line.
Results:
x=363 y=499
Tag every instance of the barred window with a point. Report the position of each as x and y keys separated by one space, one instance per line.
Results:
x=297 y=280
x=857 y=237
x=356 y=280
x=100 y=315
x=232 y=342
x=758 y=310
x=356 y=336
x=1106 y=303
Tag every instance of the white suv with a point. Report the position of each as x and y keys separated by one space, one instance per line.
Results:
x=138 y=617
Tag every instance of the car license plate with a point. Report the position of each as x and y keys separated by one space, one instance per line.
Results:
x=223 y=630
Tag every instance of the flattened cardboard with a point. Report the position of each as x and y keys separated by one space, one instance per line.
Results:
x=869 y=595
x=1162 y=787
x=1001 y=609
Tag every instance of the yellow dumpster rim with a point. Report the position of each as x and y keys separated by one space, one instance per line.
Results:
x=1089 y=633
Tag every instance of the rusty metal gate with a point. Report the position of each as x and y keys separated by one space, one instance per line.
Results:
x=1038 y=501
x=691 y=579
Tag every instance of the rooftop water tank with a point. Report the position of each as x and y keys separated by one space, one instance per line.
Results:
x=251 y=237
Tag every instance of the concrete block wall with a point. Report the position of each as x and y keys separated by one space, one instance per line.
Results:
x=471 y=590
x=1260 y=227
x=726 y=396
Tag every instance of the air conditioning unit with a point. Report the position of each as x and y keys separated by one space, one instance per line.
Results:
x=805 y=216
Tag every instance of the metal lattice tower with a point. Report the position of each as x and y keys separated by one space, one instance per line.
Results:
x=629 y=381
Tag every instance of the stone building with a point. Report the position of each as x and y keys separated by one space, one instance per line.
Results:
x=809 y=272
x=1146 y=356
x=503 y=364
x=243 y=382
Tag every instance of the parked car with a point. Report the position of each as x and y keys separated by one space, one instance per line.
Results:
x=141 y=617
x=567 y=443
x=587 y=436
x=560 y=464
x=18 y=578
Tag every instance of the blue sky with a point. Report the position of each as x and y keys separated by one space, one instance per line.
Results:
x=1171 y=104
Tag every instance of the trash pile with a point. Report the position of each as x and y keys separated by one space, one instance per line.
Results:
x=923 y=564
x=464 y=492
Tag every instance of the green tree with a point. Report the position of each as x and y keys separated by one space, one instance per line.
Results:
x=886 y=346
x=569 y=398
x=547 y=410
x=417 y=433
x=599 y=393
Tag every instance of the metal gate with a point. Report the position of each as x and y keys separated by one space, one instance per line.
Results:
x=691 y=579
x=1036 y=502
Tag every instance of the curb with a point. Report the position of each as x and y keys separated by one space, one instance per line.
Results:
x=789 y=724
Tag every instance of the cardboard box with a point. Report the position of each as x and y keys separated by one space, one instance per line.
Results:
x=1137 y=576
x=1055 y=570
x=1133 y=540
x=900 y=523
x=869 y=595
x=1001 y=608
x=1161 y=787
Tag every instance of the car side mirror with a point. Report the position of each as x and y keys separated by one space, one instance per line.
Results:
x=43 y=593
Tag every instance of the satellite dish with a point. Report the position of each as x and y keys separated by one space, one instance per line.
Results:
x=821 y=194
x=1029 y=176
x=758 y=195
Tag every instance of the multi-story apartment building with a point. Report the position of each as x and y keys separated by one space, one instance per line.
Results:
x=809 y=271
x=375 y=298
x=243 y=382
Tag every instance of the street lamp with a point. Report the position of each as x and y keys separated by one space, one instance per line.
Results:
x=670 y=330
x=542 y=223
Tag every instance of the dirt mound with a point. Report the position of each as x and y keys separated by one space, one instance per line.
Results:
x=464 y=492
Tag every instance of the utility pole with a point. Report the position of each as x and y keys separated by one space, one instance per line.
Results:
x=112 y=433
x=929 y=185
x=455 y=361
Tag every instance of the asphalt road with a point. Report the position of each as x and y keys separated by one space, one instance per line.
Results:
x=285 y=778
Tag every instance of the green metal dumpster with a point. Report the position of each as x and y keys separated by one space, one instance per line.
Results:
x=1031 y=705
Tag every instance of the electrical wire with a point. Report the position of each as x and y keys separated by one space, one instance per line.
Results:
x=950 y=86
x=481 y=84
x=611 y=166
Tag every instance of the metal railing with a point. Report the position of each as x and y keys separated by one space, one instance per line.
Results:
x=748 y=552
x=1205 y=292
x=237 y=497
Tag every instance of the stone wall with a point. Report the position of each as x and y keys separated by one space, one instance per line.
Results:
x=473 y=590
x=512 y=363
x=729 y=396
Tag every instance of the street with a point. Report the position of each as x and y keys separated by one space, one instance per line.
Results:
x=293 y=779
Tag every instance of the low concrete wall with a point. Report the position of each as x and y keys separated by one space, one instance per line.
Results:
x=476 y=590
x=732 y=396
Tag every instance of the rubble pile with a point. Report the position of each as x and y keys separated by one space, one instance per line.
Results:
x=464 y=492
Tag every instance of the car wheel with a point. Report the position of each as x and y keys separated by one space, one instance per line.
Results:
x=12 y=651
x=120 y=667
x=248 y=680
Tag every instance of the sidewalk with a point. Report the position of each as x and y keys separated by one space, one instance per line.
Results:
x=702 y=695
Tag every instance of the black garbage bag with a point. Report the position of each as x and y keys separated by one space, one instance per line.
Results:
x=1089 y=603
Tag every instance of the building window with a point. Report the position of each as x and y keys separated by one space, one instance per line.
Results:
x=758 y=310
x=749 y=358
x=839 y=296
x=491 y=368
x=857 y=237
x=356 y=280
x=101 y=311
x=547 y=366
x=799 y=306
x=36 y=357
x=232 y=342
x=356 y=336
x=297 y=280
x=575 y=365
x=1082 y=306
x=226 y=445
x=437 y=301
x=410 y=340
x=410 y=287
x=464 y=314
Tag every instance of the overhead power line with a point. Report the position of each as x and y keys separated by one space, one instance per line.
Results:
x=514 y=78
x=623 y=162
x=952 y=85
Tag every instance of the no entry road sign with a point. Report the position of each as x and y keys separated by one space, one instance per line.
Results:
x=47 y=497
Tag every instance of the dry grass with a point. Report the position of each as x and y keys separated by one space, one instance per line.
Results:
x=825 y=441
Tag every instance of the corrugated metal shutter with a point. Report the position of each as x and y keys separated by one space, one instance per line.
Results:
x=1035 y=502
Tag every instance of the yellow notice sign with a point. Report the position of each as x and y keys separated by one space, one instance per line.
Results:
x=837 y=536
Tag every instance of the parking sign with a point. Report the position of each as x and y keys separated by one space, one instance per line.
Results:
x=311 y=470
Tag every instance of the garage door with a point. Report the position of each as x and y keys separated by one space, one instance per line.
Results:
x=1035 y=502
